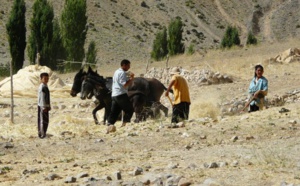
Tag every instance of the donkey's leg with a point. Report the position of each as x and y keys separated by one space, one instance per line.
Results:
x=98 y=107
x=162 y=108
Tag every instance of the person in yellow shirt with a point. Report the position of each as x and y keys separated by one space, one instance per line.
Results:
x=182 y=101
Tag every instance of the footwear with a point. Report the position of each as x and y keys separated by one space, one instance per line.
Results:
x=282 y=110
x=42 y=136
x=123 y=124
x=111 y=129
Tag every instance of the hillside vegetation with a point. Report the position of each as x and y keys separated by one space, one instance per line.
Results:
x=126 y=29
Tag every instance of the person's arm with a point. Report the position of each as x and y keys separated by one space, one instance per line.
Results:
x=260 y=92
x=130 y=80
x=169 y=87
x=264 y=89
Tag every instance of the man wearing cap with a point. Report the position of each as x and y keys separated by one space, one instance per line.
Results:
x=181 y=105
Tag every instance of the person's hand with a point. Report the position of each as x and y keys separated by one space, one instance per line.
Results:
x=45 y=109
x=131 y=75
x=167 y=94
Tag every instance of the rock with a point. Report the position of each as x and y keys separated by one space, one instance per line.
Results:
x=8 y=145
x=223 y=164
x=234 y=163
x=137 y=171
x=70 y=179
x=173 y=180
x=82 y=175
x=184 y=182
x=192 y=166
x=99 y=140
x=234 y=138
x=172 y=165
x=61 y=107
x=117 y=175
x=211 y=165
x=211 y=182
x=293 y=122
x=52 y=176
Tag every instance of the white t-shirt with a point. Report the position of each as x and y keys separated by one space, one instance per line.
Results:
x=119 y=80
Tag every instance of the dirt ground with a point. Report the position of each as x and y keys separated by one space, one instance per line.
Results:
x=260 y=148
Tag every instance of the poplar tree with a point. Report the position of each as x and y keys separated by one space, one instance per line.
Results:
x=74 y=30
x=16 y=32
x=41 y=26
x=175 y=30
x=160 y=45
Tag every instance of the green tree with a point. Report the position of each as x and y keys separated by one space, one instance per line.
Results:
x=251 y=39
x=91 y=55
x=160 y=45
x=74 y=30
x=16 y=31
x=41 y=26
x=231 y=37
x=57 y=48
x=175 y=46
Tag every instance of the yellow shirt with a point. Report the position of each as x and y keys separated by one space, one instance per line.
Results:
x=180 y=90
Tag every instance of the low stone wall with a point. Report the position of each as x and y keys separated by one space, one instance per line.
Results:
x=199 y=77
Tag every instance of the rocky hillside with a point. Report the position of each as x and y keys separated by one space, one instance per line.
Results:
x=126 y=29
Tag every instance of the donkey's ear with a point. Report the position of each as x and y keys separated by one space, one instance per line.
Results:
x=90 y=69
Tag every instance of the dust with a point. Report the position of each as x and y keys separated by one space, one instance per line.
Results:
x=204 y=106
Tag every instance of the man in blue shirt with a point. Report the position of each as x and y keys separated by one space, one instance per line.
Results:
x=120 y=99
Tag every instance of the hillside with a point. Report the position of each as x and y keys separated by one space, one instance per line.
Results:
x=212 y=148
x=126 y=29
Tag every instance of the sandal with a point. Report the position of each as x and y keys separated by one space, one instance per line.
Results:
x=282 y=110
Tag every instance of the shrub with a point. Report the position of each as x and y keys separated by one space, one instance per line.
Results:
x=251 y=40
x=191 y=49
x=231 y=37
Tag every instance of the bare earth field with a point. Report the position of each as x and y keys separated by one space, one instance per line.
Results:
x=259 y=148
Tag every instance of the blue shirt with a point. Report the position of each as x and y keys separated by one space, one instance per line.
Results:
x=261 y=84
x=119 y=80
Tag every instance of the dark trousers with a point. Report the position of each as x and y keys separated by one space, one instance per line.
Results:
x=120 y=103
x=253 y=108
x=180 y=112
x=43 y=121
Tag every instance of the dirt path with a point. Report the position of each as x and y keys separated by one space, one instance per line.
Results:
x=230 y=20
x=267 y=28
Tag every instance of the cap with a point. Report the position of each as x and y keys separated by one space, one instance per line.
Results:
x=175 y=70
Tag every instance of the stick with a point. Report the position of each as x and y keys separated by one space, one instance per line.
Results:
x=170 y=100
x=248 y=103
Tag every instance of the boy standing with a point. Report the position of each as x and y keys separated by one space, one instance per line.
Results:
x=43 y=105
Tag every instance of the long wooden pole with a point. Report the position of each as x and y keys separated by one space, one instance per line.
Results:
x=11 y=94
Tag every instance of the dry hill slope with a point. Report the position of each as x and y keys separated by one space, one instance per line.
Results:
x=126 y=29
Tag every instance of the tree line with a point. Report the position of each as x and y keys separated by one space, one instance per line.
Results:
x=56 y=38
x=170 y=42
x=52 y=38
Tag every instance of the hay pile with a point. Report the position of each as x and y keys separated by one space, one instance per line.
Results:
x=27 y=81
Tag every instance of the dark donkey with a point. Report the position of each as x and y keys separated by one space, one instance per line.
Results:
x=143 y=92
x=139 y=95
x=101 y=88
x=76 y=88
